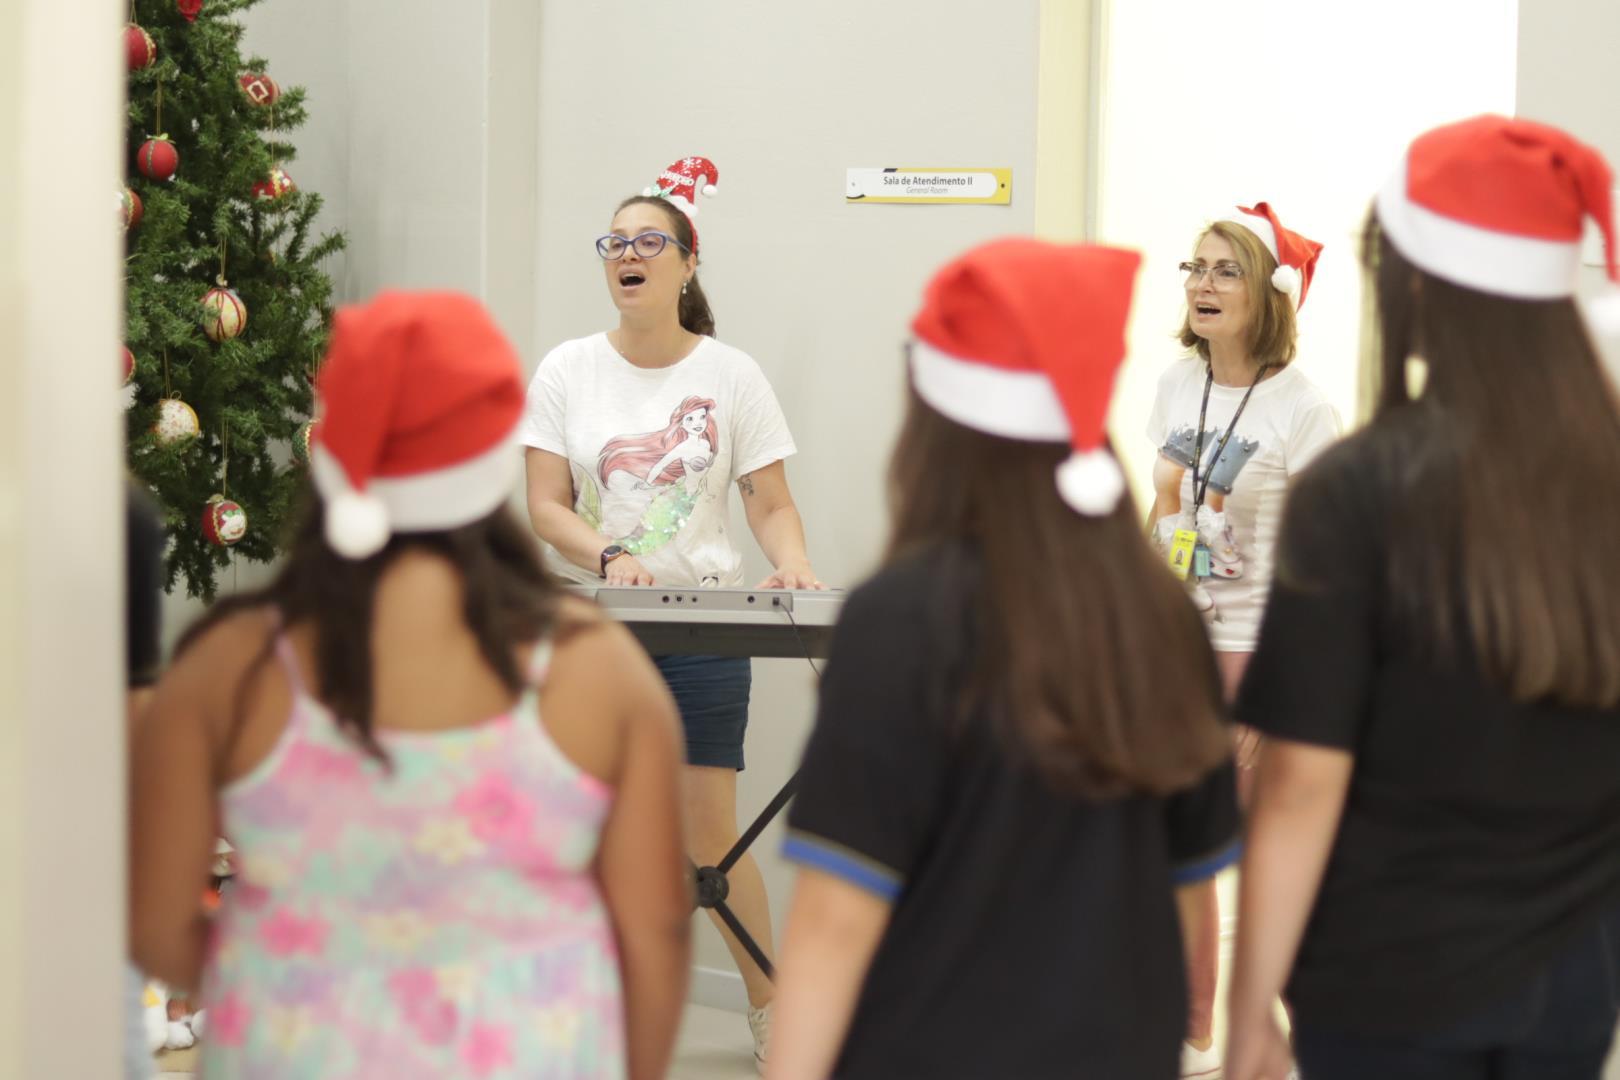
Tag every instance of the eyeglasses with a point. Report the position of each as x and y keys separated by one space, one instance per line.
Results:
x=647 y=245
x=1226 y=277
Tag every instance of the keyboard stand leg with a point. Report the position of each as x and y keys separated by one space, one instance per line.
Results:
x=712 y=886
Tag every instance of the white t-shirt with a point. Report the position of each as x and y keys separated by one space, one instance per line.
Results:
x=654 y=451
x=1288 y=422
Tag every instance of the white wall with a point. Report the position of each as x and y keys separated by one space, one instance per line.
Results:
x=61 y=540
x=1568 y=77
x=420 y=138
x=1306 y=105
x=783 y=98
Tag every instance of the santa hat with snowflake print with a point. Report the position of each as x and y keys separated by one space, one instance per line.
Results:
x=1296 y=256
x=680 y=183
x=419 y=402
x=1021 y=338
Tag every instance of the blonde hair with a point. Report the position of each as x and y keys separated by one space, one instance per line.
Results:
x=1273 y=331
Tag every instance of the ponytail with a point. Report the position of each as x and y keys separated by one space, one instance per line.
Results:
x=696 y=318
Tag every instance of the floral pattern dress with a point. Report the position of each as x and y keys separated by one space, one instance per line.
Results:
x=437 y=917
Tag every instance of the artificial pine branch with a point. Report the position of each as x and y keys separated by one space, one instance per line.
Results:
x=255 y=384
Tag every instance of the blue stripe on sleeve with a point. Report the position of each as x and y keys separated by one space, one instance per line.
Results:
x=840 y=862
x=1208 y=866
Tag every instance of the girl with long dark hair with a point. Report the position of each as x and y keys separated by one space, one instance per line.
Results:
x=458 y=843
x=1433 y=870
x=1003 y=790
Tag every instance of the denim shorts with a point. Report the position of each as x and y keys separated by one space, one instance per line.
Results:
x=712 y=695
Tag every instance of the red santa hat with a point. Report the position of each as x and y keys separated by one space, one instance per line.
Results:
x=419 y=402
x=1296 y=256
x=1499 y=205
x=679 y=184
x=1022 y=338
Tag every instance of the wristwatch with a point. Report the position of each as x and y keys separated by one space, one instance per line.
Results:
x=609 y=553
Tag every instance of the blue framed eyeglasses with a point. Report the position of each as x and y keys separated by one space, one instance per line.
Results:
x=647 y=245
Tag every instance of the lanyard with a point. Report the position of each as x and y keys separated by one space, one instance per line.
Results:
x=1199 y=490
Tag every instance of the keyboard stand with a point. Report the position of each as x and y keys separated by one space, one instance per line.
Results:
x=727 y=622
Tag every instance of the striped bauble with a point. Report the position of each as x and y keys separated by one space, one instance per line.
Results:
x=224 y=314
x=157 y=159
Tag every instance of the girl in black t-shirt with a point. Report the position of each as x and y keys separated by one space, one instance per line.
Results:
x=1002 y=790
x=1434 y=852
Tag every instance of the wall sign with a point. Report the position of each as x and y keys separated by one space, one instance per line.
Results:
x=987 y=187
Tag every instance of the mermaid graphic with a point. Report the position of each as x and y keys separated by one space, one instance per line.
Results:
x=656 y=477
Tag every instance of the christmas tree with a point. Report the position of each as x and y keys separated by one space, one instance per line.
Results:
x=227 y=307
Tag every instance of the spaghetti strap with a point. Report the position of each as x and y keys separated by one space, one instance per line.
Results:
x=289 y=665
x=540 y=663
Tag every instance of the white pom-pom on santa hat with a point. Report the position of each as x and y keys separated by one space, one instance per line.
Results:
x=1285 y=279
x=356 y=525
x=1602 y=315
x=1091 y=482
x=709 y=189
x=1296 y=255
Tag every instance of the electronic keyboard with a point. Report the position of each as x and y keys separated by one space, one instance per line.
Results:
x=722 y=622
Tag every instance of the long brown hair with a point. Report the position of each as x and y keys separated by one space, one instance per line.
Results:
x=1273 y=327
x=694 y=312
x=1510 y=495
x=508 y=597
x=1089 y=652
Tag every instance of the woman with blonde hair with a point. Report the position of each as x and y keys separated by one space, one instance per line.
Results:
x=1235 y=422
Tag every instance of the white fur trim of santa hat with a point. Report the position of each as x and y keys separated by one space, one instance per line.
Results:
x=359 y=524
x=1016 y=405
x=1500 y=263
x=1012 y=404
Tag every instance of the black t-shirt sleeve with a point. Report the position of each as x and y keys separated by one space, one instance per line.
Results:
x=1203 y=827
x=1310 y=674
x=874 y=766
x=143 y=577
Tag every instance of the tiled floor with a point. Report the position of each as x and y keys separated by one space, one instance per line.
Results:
x=715 y=1045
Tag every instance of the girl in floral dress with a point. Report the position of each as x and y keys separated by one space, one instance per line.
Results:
x=459 y=845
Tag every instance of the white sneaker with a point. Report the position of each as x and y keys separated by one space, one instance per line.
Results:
x=1200 y=1064
x=759 y=1024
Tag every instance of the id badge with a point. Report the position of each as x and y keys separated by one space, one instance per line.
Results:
x=1180 y=555
x=1200 y=566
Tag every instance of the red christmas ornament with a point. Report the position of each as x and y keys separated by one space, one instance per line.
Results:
x=261 y=89
x=130 y=208
x=224 y=314
x=139 y=47
x=129 y=365
x=274 y=186
x=223 y=521
x=157 y=159
x=189 y=8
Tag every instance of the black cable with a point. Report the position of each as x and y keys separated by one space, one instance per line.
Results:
x=800 y=639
